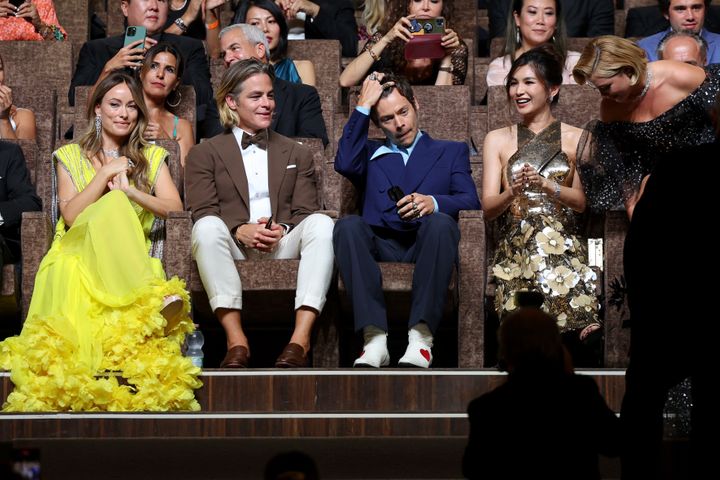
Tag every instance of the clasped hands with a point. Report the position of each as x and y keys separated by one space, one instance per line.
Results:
x=291 y=8
x=117 y=174
x=27 y=10
x=255 y=235
x=525 y=178
x=414 y=206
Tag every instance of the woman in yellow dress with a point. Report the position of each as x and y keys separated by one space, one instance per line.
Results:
x=104 y=327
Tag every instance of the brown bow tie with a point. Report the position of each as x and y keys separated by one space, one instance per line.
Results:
x=259 y=139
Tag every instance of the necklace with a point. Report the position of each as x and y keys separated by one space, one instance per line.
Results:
x=111 y=153
x=648 y=79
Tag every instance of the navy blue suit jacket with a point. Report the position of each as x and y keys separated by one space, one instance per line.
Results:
x=436 y=167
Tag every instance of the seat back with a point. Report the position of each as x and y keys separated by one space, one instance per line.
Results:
x=325 y=56
x=43 y=103
x=38 y=65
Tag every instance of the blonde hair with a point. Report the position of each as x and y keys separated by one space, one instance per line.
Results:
x=91 y=141
x=231 y=85
x=609 y=55
x=373 y=14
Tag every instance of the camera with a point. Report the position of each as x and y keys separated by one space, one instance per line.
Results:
x=427 y=26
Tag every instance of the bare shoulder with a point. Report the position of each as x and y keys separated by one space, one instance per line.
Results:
x=570 y=137
x=677 y=75
x=499 y=136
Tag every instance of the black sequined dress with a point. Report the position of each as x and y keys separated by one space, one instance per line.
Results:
x=622 y=153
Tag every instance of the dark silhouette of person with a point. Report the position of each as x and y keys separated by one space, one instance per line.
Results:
x=544 y=421
x=672 y=324
x=293 y=465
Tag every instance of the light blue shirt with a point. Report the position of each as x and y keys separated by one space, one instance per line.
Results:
x=390 y=147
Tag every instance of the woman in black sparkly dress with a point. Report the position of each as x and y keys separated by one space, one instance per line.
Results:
x=647 y=109
x=655 y=131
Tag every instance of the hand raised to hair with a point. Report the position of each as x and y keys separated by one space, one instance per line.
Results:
x=372 y=89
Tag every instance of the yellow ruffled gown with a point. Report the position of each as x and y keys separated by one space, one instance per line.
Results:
x=94 y=338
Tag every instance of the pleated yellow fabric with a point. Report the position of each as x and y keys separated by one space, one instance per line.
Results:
x=94 y=338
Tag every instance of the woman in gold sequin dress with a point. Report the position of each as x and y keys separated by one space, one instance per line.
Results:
x=530 y=184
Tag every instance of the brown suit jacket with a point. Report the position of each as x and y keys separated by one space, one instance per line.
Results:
x=216 y=182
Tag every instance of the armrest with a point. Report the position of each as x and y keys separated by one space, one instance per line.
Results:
x=177 y=254
x=471 y=315
x=36 y=234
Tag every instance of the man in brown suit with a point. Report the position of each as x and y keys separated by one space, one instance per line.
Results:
x=252 y=194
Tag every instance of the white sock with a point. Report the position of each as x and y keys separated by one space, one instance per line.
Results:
x=374 y=335
x=420 y=333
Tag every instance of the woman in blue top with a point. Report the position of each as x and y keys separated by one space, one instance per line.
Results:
x=268 y=17
x=160 y=77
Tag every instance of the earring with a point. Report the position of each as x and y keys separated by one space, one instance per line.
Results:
x=98 y=125
x=550 y=98
x=517 y=36
x=178 y=97
x=553 y=39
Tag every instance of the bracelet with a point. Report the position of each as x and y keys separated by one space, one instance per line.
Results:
x=181 y=24
x=448 y=69
x=213 y=25
x=557 y=189
x=374 y=55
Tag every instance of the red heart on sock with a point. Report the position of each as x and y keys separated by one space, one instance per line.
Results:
x=425 y=353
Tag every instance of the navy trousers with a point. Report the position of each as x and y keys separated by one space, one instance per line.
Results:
x=432 y=248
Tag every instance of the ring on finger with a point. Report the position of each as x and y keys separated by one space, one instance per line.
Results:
x=373 y=76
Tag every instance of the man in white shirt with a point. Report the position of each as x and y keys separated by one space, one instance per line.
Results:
x=252 y=194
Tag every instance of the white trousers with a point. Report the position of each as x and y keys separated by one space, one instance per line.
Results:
x=216 y=251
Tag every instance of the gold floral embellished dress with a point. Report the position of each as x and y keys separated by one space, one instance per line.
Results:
x=538 y=248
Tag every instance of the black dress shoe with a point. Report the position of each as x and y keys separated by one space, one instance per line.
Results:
x=236 y=357
x=293 y=356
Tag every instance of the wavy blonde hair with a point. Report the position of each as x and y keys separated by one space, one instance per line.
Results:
x=608 y=55
x=91 y=142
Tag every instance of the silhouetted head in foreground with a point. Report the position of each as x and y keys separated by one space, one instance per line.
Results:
x=293 y=465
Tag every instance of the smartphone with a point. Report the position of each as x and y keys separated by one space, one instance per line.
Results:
x=395 y=193
x=427 y=26
x=268 y=224
x=134 y=33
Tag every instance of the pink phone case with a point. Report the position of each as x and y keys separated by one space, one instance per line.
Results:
x=424 y=46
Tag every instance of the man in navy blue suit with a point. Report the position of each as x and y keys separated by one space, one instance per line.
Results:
x=420 y=227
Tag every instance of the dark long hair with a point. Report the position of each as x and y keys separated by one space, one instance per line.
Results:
x=545 y=62
x=280 y=51
x=179 y=65
x=559 y=39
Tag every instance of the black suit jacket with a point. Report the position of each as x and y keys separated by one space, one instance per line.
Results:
x=336 y=20
x=586 y=18
x=540 y=427
x=298 y=112
x=17 y=194
x=95 y=54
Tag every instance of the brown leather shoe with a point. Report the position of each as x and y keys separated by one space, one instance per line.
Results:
x=236 y=357
x=293 y=356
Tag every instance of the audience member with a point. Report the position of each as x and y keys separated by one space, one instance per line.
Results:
x=531 y=23
x=101 y=303
x=379 y=16
x=385 y=51
x=98 y=58
x=298 y=112
x=17 y=195
x=670 y=335
x=683 y=15
x=325 y=19
x=160 y=77
x=268 y=17
x=197 y=19
x=544 y=421
x=685 y=47
x=530 y=183
x=31 y=20
x=294 y=465
x=418 y=228
x=258 y=205
x=647 y=109
x=15 y=123
x=586 y=18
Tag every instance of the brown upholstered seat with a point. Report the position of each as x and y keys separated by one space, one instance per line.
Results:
x=272 y=281
x=43 y=103
x=325 y=56
x=10 y=284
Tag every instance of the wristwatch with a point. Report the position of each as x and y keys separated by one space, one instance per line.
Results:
x=181 y=24
x=448 y=69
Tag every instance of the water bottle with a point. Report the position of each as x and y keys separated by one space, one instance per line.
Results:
x=195 y=342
